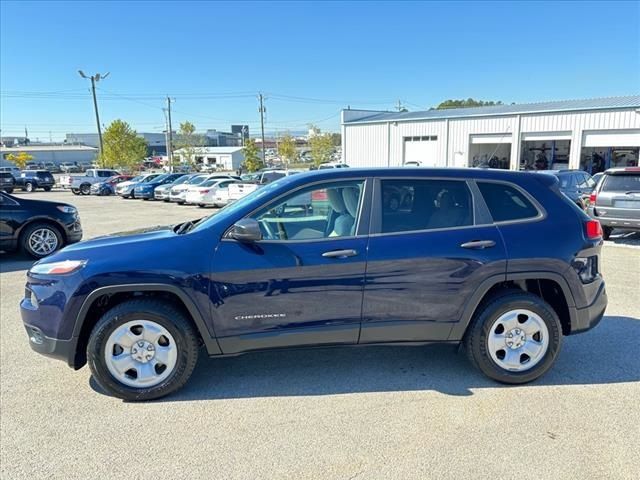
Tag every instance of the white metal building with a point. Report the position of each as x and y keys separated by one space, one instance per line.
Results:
x=589 y=134
x=51 y=153
x=224 y=158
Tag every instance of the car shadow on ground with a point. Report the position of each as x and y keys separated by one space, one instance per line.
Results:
x=14 y=262
x=601 y=356
x=625 y=238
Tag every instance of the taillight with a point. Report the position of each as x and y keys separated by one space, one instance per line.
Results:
x=205 y=191
x=594 y=229
x=592 y=198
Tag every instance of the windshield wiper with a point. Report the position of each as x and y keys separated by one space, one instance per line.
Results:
x=184 y=228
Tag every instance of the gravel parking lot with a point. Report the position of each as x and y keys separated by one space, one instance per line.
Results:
x=380 y=412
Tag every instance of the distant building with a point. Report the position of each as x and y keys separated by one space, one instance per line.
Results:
x=51 y=153
x=222 y=139
x=156 y=142
x=11 y=141
x=223 y=158
x=241 y=131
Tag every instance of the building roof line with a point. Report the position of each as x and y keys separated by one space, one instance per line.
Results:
x=609 y=103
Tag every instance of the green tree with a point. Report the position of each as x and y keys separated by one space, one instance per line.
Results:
x=123 y=148
x=252 y=161
x=20 y=160
x=321 y=148
x=287 y=149
x=469 y=102
x=188 y=142
x=336 y=139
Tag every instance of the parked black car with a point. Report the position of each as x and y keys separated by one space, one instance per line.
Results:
x=575 y=184
x=37 y=227
x=7 y=182
x=615 y=202
x=29 y=180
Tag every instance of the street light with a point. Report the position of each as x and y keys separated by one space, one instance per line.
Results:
x=95 y=78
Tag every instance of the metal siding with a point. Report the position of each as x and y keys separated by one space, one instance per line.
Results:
x=366 y=144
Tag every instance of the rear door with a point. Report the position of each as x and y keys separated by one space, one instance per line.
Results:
x=431 y=245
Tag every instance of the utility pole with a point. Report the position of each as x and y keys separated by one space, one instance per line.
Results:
x=399 y=107
x=170 y=137
x=262 y=110
x=94 y=79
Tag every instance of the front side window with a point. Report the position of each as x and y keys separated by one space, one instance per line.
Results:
x=506 y=202
x=317 y=212
x=417 y=204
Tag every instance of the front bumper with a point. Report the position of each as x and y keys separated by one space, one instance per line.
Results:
x=588 y=317
x=64 y=350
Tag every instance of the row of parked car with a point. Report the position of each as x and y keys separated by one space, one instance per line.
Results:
x=202 y=189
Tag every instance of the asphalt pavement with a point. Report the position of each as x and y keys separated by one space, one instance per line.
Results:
x=331 y=413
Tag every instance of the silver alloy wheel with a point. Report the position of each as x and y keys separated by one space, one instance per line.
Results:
x=43 y=241
x=141 y=354
x=29 y=187
x=518 y=340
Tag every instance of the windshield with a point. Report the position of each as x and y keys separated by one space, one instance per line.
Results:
x=211 y=181
x=231 y=209
x=196 y=180
x=181 y=179
x=159 y=178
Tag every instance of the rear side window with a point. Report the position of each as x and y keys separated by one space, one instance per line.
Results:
x=409 y=205
x=506 y=202
x=621 y=183
x=44 y=175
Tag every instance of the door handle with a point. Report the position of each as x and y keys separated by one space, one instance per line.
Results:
x=479 y=244
x=340 y=253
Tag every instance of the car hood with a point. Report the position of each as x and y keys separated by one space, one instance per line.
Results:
x=123 y=238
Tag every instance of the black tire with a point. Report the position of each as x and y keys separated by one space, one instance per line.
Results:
x=29 y=187
x=166 y=315
x=475 y=341
x=28 y=231
x=201 y=205
x=75 y=191
x=9 y=191
x=145 y=199
x=606 y=232
x=47 y=189
x=85 y=189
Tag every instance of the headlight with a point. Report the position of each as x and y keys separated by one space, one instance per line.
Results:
x=58 y=268
x=66 y=209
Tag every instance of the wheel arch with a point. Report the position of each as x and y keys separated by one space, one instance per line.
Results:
x=104 y=298
x=549 y=286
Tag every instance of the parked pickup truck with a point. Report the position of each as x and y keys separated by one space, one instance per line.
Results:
x=81 y=184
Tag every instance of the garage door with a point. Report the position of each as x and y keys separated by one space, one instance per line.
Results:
x=421 y=149
x=617 y=138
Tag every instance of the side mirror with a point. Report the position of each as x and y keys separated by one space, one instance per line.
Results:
x=246 y=230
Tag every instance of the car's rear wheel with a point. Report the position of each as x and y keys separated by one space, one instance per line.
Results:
x=28 y=187
x=142 y=350
x=47 y=189
x=75 y=191
x=9 y=190
x=514 y=338
x=85 y=189
x=606 y=232
x=41 y=239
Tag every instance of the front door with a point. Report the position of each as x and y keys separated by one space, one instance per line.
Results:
x=428 y=252
x=302 y=284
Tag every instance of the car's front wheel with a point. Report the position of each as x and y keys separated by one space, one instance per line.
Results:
x=47 y=189
x=142 y=350
x=28 y=187
x=41 y=239
x=514 y=338
x=85 y=189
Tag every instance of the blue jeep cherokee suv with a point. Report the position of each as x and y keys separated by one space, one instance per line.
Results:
x=334 y=257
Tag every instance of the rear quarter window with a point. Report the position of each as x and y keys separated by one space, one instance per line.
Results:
x=621 y=183
x=506 y=202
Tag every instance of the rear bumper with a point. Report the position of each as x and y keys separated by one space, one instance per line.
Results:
x=588 y=317
x=615 y=222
